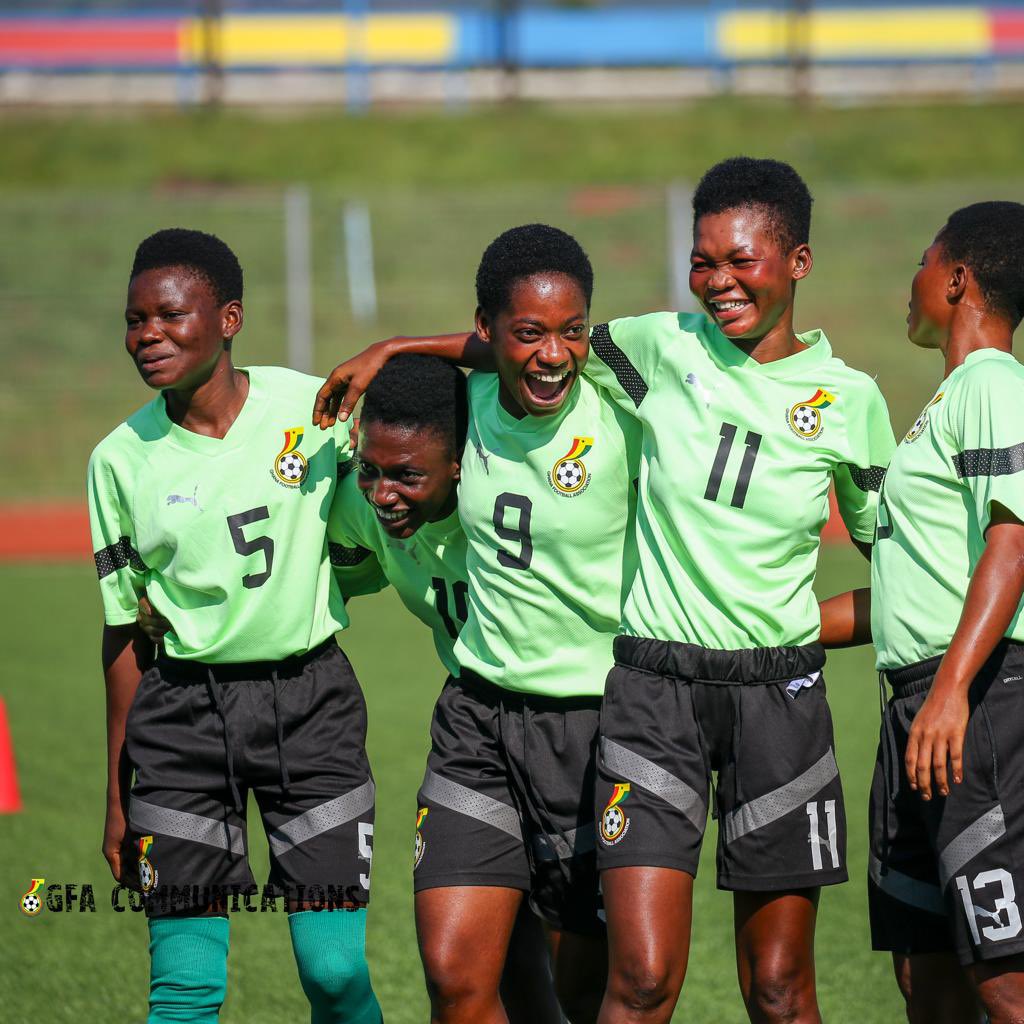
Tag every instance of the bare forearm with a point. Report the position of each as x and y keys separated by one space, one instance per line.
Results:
x=467 y=350
x=992 y=601
x=127 y=653
x=846 y=619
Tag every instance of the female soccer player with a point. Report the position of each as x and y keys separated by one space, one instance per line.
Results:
x=208 y=499
x=545 y=500
x=745 y=425
x=947 y=851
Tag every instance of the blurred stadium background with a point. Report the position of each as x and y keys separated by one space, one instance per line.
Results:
x=359 y=156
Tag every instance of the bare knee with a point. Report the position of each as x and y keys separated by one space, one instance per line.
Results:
x=781 y=991
x=645 y=985
x=454 y=979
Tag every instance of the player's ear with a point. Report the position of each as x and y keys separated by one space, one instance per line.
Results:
x=231 y=319
x=957 y=284
x=482 y=324
x=801 y=261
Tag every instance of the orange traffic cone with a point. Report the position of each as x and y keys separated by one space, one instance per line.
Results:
x=10 y=797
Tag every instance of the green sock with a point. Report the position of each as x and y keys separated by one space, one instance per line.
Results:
x=330 y=951
x=188 y=969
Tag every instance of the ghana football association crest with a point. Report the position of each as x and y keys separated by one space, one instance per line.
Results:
x=805 y=418
x=614 y=823
x=922 y=421
x=421 y=843
x=290 y=466
x=569 y=474
x=148 y=875
x=32 y=902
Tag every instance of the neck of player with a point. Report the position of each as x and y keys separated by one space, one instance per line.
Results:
x=212 y=406
x=973 y=328
x=777 y=343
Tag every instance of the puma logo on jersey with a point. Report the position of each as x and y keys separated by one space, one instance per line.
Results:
x=705 y=396
x=181 y=499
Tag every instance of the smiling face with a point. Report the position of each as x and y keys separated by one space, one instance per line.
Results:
x=741 y=275
x=930 y=311
x=540 y=342
x=175 y=329
x=407 y=475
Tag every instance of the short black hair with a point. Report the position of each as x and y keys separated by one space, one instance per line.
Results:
x=205 y=255
x=988 y=239
x=775 y=187
x=524 y=251
x=422 y=393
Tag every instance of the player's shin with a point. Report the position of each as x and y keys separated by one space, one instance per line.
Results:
x=188 y=969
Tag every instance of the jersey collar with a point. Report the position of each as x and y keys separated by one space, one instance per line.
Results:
x=238 y=433
x=727 y=355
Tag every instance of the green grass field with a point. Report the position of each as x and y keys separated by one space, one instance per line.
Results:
x=50 y=629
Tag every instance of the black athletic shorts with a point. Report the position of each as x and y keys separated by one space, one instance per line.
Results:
x=201 y=736
x=507 y=799
x=673 y=714
x=943 y=874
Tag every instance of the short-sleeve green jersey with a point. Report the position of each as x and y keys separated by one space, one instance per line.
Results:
x=965 y=452
x=734 y=477
x=428 y=569
x=228 y=537
x=547 y=505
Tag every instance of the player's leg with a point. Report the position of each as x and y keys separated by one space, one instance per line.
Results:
x=1000 y=984
x=527 y=985
x=775 y=955
x=464 y=934
x=935 y=989
x=581 y=973
x=649 y=915
x=306 y=745
x=471 y=866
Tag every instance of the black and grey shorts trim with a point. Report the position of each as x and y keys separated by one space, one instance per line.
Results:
x=945 y=875
x=674 y=714
x=506 y=799
x=200 y=737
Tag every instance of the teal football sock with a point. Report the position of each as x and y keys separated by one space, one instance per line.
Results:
x=188 y=969
x=330 y=951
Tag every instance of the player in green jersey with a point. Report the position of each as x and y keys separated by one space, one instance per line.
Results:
x=947 y=576
x=208 y=499
x=545 y=500
x=746 y=424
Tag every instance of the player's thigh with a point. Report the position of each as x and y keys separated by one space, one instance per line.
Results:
x=463 y=933
x=775 y=944
x=581 y=972
x=1000 y=986
x=649 y=912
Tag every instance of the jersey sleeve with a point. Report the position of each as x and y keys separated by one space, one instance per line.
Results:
x=355 y=564
x=345 y=448
x=870 y=444
x=121 y=571
x=624 y=357
x=987 y=425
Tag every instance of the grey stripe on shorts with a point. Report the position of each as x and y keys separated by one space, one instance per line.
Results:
x=196 y=828
x=911 y=891
x=321 y=818
x=464 y=800
x=982 y=833
x=779 y=802
x=566 y=845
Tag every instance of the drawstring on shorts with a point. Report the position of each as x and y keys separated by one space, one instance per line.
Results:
x=217 y=697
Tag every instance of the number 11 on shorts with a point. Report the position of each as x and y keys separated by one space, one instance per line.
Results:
x=814 y=837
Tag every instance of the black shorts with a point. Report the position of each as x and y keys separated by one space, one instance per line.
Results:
x=507 y=799
x=673 y=714
x=943 y=874
x=200 y=737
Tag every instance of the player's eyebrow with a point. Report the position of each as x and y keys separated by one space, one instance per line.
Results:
x=537 y=322
x=740 y=250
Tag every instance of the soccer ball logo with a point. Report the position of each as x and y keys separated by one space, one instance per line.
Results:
x=31 y=904
x=147 y=875
x=613 y=821
x=570 y=475
x=291 y=468
x=421 y=843
x=805 y=420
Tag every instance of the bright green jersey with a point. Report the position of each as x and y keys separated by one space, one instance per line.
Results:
x=734 y=477
x=547 y=505
x=228 y=537
x=428 y=570
x=965 y=452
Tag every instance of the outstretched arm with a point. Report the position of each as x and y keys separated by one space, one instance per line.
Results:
x=347 y=382
x=846 y=619
x=937 y=735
